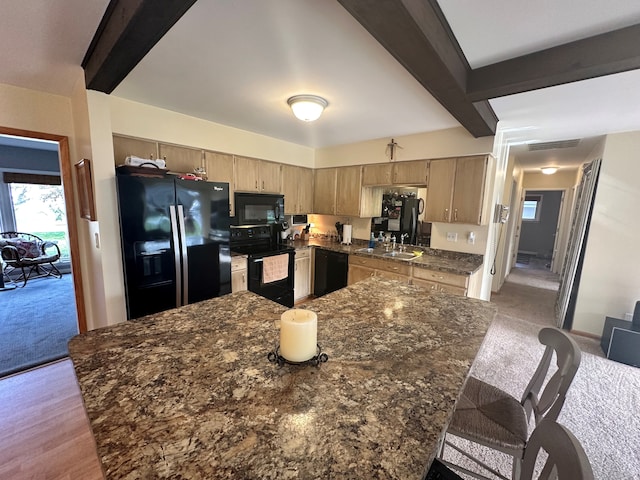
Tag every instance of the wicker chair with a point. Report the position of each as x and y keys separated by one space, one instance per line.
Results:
x=30 y=254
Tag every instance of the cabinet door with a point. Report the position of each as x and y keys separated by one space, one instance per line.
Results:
x=324 y=193
x=305 y=190
x=239 y=280
x=124 y=147
x=246 y=174
x=290 y=189
x=392 y=276
x=269 y=176
x=468 y=190
x=348 y=192
x=415 y=172
x=357 y=273
x=302 y=278
x=180 y=159
x=440 y=190
x=373 y=175
x=219 y=168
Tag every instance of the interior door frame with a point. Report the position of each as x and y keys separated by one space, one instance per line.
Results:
x=70 y=205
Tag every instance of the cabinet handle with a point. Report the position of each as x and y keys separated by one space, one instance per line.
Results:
x=256 y=184
x=243 y=278
x=446 y=214
x=455 y=215
x=262 y=184
x=372 y=274
x=296 y=269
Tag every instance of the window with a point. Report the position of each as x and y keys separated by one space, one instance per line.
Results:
x=531 y=208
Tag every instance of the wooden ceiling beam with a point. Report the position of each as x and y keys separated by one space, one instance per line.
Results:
x=127 y=31
x=605 y=54
x=420 y=39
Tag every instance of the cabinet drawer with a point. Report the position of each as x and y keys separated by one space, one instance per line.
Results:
x=393 y=276
x=379 y=264
x=440 y=277
x=303 y=253
x=238 y=263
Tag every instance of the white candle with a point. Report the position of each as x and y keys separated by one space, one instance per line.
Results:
x=298 y=335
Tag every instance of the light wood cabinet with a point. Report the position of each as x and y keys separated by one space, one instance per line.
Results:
x=297 y=187
x=363 y=267
x=440 y=281
x=324 y=192
x=302 y=276
x=180 y=159
x=377 y=174
x=219 y=168
x=254 y=175
x=348 y=188
x=124 y=147
x=414 y=172
x=456 y=190
x=239 y=273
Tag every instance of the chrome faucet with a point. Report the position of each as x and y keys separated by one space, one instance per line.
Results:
x=393 y=243
x=402 y=237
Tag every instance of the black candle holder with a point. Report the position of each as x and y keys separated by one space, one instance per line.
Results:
x=320 y=357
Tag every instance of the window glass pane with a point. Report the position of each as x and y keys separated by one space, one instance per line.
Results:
x=40 y=210
x=529 y=210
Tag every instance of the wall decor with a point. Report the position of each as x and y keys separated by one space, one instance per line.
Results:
x=85 y=189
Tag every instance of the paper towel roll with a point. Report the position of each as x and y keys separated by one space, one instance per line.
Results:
x=346 y=234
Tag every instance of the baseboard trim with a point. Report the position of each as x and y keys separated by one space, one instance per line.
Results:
x=585 y=334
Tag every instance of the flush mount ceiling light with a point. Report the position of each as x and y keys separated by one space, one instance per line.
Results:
x=549 y=170
x=307 y=107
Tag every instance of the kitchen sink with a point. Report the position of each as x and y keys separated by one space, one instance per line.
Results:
x=364 y=250
x=400 y=255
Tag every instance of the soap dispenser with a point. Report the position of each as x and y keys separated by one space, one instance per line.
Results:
x=372 y=241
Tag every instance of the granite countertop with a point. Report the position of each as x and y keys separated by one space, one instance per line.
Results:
x=458 y=263
x=189 y=393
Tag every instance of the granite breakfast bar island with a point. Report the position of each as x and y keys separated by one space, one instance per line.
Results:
x=189 y=393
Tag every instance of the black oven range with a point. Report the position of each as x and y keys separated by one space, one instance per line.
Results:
x=270 y=264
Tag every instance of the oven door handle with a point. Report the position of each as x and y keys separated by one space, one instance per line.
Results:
x=256 y=260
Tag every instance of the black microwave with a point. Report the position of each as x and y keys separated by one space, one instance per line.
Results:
x=258 y=208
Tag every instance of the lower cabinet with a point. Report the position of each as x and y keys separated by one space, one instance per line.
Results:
x=302 y=276
x=440 y=281
x=364 y=267
x=238 y=273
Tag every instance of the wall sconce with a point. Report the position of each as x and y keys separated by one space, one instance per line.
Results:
x=549 y=170
x=307 y=107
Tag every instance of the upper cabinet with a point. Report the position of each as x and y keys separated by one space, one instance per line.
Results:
x=254 y=175
x=377 y=174
x=297 y=187
x=414 y=172
x=180 y=159
x=219 y=168
x=455 y=191
x=124 y=147
x=339 y=191
x=324 y=192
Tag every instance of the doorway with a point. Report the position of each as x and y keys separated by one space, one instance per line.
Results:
x=62 y=293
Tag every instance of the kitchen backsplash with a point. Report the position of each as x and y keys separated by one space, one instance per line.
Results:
x=327 y=223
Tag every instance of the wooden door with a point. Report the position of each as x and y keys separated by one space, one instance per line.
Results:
x=415 y=172
x=468 y=190
x=324 y=193
x=348 y=186
x=289 y=189
x=219 y=168
x=305 y=190
x=269 y=177
x=440 y=190
x=378 y=174
x=124 y=147
x=246 y=174
x=180 y=159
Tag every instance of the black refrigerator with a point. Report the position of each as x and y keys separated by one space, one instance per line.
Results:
x=175 y=241
x=399 y=216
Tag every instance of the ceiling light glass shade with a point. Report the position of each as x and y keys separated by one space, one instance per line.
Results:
x=549 y=170
x=307 y=107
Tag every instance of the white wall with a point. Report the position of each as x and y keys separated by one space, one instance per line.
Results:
x=146 y=121
x=610 y=282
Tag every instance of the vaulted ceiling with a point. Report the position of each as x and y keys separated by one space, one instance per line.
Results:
x=546 y=70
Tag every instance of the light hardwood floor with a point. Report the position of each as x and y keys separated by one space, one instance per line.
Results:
x=44 y=430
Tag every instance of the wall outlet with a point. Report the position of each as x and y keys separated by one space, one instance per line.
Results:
x=452 y=237
x=628 y=316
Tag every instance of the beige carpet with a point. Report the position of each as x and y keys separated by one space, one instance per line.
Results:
x=603 y=404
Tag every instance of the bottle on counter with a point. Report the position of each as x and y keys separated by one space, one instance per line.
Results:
x=380 y=237
x=372 y=241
